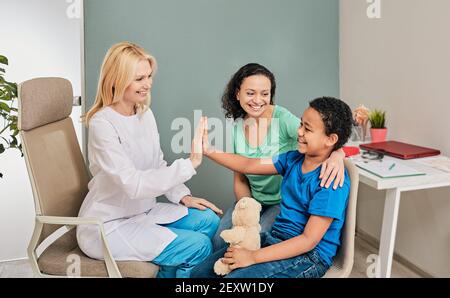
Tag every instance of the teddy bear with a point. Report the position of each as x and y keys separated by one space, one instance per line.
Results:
x=244 y=232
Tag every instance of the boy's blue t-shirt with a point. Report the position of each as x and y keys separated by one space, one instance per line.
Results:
x=302 y=196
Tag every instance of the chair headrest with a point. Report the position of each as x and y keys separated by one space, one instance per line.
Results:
x=43 y=101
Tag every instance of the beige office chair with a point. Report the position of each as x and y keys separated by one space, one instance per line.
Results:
x=59 y=180
x=343 y=261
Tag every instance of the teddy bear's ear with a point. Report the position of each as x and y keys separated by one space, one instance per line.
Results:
x=243 y=204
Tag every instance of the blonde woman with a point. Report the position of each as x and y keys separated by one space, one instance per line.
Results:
x=129 y=172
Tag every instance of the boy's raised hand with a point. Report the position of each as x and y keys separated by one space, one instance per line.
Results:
x=197 y=146
x=205 y=140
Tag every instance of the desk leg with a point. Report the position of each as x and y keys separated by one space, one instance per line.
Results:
x=388 y=231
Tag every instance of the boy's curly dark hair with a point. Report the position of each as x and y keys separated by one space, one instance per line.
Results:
x=230 y=104
x=337 y=118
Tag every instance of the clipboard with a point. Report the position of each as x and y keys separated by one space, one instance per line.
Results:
x=387 y=168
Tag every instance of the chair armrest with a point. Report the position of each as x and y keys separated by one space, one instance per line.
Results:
x=68 y=222
x=111 y=265
x=60 y=220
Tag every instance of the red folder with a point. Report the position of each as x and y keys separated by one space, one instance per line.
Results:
x=400 y=150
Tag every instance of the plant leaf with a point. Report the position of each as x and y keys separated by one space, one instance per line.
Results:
x=4 y=106
x=3 y=94
x=377 y=119
x=14 y=141
x=3 y=60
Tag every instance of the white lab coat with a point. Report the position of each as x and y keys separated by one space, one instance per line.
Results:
x=129 y=172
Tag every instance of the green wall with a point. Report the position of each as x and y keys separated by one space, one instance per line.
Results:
x=199 y=44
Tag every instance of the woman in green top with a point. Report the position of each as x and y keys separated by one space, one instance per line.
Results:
x=263 y=129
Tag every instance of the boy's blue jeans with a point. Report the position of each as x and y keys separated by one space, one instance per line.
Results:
x=268 y=214
x=308 y=265
x=192 y=245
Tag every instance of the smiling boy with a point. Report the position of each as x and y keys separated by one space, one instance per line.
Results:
x=306 y=234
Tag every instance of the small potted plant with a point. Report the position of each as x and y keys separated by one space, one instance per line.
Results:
x=378 y=129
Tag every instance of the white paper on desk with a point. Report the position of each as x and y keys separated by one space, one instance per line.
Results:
x=381 y=168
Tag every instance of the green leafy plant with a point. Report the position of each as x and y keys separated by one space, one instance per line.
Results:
x=377 y=119
x=8 y=112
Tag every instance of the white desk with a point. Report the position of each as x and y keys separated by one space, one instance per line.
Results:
x=394 y=187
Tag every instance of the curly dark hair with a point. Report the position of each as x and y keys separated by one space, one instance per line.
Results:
x=337 y=118
x=230 y=104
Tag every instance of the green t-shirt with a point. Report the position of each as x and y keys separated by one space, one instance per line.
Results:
x=281 y=137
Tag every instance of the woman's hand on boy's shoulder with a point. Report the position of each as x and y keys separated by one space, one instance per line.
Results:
x=333 y=169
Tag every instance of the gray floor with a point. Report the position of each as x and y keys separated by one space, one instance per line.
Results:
x=362 y=251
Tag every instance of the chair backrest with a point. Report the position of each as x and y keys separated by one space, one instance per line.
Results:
x=343 y=261
x=55 y=164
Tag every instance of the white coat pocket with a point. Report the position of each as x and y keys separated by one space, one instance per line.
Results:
x=164 y=213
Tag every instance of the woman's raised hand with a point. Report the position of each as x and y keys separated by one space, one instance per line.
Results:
x=197 y=143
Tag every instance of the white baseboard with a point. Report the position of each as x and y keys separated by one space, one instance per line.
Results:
x=13 y=260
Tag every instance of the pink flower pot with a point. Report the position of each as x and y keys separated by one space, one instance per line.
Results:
x=378 y=134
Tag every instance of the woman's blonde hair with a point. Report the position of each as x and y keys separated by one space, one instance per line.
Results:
x=117 y=73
